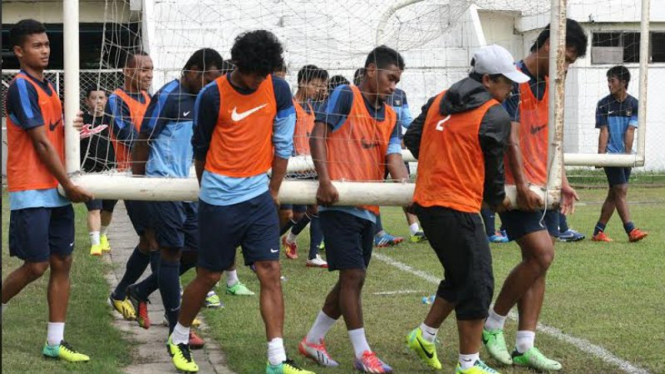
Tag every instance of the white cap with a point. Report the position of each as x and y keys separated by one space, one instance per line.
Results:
x=495 y=59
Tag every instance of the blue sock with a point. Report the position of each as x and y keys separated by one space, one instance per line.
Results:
x=630 y=226
x=136 y=265
x=489 y=219
x=379 y=226
x=563 y=223
x=315 y=236
x=298 y=227
x=185 y=266
x=599 y=227
x=154 y=261
x=169 y=288
x=149 y=285
x=286 y=227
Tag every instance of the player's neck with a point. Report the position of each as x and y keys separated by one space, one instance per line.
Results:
x=130 y=89
x=35 y=73
x=534 y=63
x=372 y=98
x=620 y=96
x=300 y=96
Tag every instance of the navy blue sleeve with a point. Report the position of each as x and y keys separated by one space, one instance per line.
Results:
x=512 y=104
x=285 y=120
x=206 y=112
x=120 y=119
x=601 y=118
x=633 y=116
x=23 y=105
x=159 y=112
x=337 y=108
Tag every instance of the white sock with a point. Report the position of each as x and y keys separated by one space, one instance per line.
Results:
x=94 y=237
x=291 y=238
x=232 y=278
x=467 y=361
x=103 y=230
x=359 y=341
x=180 y=334
x=55 y=333
x=495 y=321
x=524 y=340
x=414 y=228
x=320 y=328
x=429 y=333
x=276 y=352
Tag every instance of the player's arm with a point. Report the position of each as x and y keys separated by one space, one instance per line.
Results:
x=394 y=161
x=603 y=125
x=206 y=112
x=415 y=131
x=526 y=199
x=120 y=120
x=405 y=117
x=23 y=107
x=330 y=118
x=153 y=123
x=493 y=135
x=629 y=137
x=282 y=136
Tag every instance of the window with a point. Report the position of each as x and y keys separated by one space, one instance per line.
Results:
x=618 y=47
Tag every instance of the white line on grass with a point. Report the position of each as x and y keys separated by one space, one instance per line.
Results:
x=582 y=344
x=400 y=292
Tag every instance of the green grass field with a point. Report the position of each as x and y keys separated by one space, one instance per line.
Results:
x=611 y=295
x=88 y=326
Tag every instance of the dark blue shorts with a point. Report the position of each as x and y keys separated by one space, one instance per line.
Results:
x=253 y=225
x=519 y=223
x=105 y=205
x=617 y=176
x=139 y=215
x=176 y=224
x=296 y=208
x=37 y=233
x=349 y=240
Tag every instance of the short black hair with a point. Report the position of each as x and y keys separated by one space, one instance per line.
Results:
x=575 y=38
x=383 y=56
x=336 y=80
x=358 y=76
x=258 y=52
x=91 y=88
x=131 y=57
x=227 y=67
x=620 y=72
x=203 y=59
x=23 y=29
x=310 y=72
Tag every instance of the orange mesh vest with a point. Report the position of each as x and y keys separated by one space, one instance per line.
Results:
x=137 y=110
x=25 y=171
x=357 y=150
x=533 y=136
x=451 y=166
x=241 y=144
x=304 y=126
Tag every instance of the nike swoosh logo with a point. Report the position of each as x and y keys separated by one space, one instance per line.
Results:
x=52 y=126
x=535 y=130
x=368 y=145
x=235 y=116
x=610 y=112
x=88 y=131
x=428 y=354
x=184 y=114
x=274 y=250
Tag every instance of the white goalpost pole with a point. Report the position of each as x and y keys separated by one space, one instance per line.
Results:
x=557 y=76
x=72 y=90
x=644 y=78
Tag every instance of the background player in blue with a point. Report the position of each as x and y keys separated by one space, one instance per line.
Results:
x=616 y=117
x=244 y=123
x=41 y=227
x=125 y=109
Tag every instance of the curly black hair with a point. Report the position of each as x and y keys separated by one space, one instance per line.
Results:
x=257 y=52
x=575 y=38
x=23 y=29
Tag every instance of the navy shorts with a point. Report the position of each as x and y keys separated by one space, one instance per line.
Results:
x=617 y=176
x=253 y=225
x=518 y=223
x=98 y=204
x=349 y=240
x=37 y=233
x=296 y=208
x=176 y=224
x=139 y=215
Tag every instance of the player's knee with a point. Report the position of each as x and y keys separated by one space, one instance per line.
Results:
x=544 y=260
x=267 y=271
x=354 y=278
x=170 y=254
x=209 y=278
x=35 y=270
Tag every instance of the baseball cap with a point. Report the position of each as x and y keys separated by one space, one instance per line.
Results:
x=494 y=59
